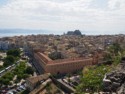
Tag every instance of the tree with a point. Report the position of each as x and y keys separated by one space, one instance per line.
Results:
x=20 y=76
x=115 y=49
x=14 y=52
x=115 y=53
x=91 y=81
x=25 y=91
x=48 y=88
x=29 y=70
x=0 y=57
x=6 y=81
x=56 y=55
x=9 y=60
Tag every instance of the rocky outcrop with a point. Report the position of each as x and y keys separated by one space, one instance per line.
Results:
x=76 y=32
x=115 y=80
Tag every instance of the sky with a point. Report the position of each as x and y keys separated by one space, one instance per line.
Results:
x=58 y=16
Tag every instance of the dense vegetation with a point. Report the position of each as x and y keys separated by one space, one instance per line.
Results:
x=56 y=55
x=92 y=77
x=25 y=92
x=6 y=78
x=9 y=60
x=91 y=80
x=14 y=52
x=12 y=57
x=20 y=71
x=29 y=70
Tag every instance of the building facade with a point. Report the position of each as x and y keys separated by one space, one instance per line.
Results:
x=33 y=82
x=63 y=65
x=4 y=45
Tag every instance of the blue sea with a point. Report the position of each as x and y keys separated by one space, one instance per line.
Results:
x=18 y=32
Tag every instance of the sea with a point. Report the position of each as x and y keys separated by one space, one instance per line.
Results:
x=19 y=32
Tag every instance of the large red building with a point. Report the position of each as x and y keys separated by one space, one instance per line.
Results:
x=63 y=65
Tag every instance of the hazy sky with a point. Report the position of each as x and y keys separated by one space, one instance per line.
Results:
x=90 y=16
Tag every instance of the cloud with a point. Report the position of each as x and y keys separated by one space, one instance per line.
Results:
x=116 y=4
x=63 y=15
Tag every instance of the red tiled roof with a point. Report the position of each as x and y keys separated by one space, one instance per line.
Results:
x=47 y=60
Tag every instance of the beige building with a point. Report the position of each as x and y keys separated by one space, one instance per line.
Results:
x=33 y=82
x=63 y=65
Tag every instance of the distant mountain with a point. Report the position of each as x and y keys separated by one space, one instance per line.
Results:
x=76 y=32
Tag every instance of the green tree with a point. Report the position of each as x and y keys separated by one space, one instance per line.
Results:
x=48 y=88
x=6 y=81
x=9 y=60
x=92 y=79
x=115 y=49
x=108 y=57
x=20 y=76
x=14 y=52
x=0 y=57
x=56 y=55
x=25 y=92
x=29 y=70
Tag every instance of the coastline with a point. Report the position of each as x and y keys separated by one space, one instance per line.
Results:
x=2 y=35
x=21 y=32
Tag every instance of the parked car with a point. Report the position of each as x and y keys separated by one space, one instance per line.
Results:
x=22 y=87
x=18 y=89
x=9 y=92
x=14 y=91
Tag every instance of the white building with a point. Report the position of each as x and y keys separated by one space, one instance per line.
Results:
x=4 y=45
